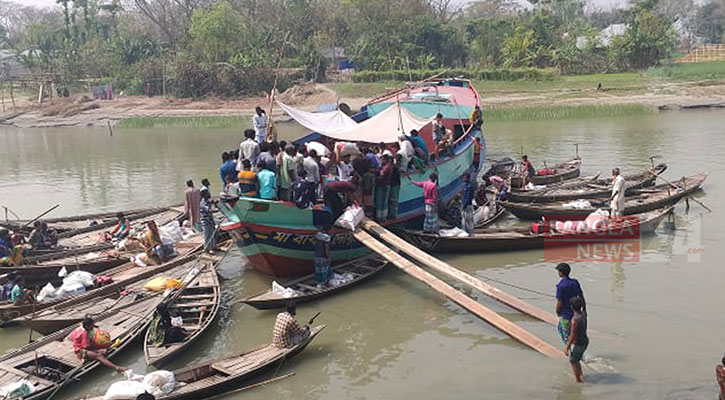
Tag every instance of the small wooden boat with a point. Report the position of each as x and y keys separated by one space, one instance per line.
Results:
x=66 y=313
x=498 y=213
x=655 y=197
x=561 y=172
x=502 y=168
x=71 y=223
x=497 y=240
x=46 y=271
x=122 y=276
x=50 y=363
x=596 y=188
x=198 y=304
x=306 y=286
x=225 y=374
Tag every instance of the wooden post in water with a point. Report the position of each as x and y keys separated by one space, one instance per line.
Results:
x=457 y=274
x=459 y=298
x=12 y=98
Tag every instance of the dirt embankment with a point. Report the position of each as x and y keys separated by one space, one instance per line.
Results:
x=83 y=111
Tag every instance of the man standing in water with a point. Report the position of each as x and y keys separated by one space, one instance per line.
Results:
x=618 y=189
x=566 y=289
x=578 y=338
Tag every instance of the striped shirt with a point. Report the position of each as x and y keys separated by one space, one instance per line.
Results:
x=248 y=183
x=287 y=331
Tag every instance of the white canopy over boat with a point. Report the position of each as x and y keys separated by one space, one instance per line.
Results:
x=386 y=126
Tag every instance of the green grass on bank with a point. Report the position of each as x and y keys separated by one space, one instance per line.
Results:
x=208 y=122
x=690 y=71
x=512 y=114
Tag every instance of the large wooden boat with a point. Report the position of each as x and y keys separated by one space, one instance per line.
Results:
x=560 y=172
x=586 y=189
x=50 y=363
x=198 y=305
x=45 y=271
x=649 y=199
x=498 y=240
x=278 y=237
x=306 y=287
x=66 y=313
x=218 y=376
x=121 y=276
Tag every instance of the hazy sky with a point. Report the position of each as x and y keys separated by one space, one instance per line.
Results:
x=596 y=3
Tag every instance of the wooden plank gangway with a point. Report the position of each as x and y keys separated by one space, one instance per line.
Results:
x=459 y=298
x=467 y=279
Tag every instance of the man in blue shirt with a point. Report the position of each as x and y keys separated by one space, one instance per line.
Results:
x=228 y=169
x=566 y=289
x=421 y=148
x=469 y=190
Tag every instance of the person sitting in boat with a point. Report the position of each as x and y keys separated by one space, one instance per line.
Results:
x=287 y=331
x=430 y=196
x=476 y=118
x=152 y=244
x=528 y=170
x=41 y=237
x=11 y=254
x=19 y=294
x=248 y=182
x=86 y=349
x=162 y=331
x=323 y=271
x=7 y=288
x=121 y=230
x=500 y=187
x=303 y=191
x=419 y=145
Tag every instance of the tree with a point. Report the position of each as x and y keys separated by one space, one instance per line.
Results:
x=215 y=33
x=650 y=38
x=519 y=48
x=711 y=21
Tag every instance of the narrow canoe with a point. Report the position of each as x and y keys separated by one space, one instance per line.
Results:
x=499 y=240
x=306 y=286
x=564 y=171
x=50 y=363
x=66 y=313
x=122 y=276
x=587 y=190
x=198 y=305
x=655 y=197
x=222 y=375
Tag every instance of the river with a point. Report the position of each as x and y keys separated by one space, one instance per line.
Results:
x=657 y=321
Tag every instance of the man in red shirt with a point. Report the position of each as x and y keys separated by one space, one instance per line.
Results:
x=84 y=348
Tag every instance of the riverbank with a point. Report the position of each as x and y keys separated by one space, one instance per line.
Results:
x=564 y=97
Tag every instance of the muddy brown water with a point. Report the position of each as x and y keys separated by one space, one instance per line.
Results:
x=660 y=322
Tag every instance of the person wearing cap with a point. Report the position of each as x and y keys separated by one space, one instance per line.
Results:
x=566 y=289
x=84 y=348
x=287 y=331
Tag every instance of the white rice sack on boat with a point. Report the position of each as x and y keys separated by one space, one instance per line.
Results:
x=453 y=232
x=170 y=233
x=319 y=148
x=160 y=382
x=83 y=277
x=17 y=389
x=70 y=288
x=282 y=291
x=124 y=390
x=47 y=293
x=345 y=148
x=597 y=220
x=578 y=204
x=481 y=214
x=350 y=218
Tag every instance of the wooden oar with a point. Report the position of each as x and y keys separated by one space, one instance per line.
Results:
x=679 y=187
x=252 y=386
x=40 y=216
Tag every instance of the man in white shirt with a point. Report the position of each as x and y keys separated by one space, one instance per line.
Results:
x=618 y=189
x=259 y=121
x=309 y=164
x=344 y=168
x=248 y=149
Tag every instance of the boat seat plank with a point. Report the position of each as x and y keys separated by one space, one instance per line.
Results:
x=191 y=305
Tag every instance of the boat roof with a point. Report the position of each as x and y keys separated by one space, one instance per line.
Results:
x=454 y=98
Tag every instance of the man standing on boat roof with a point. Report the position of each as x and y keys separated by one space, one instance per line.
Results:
x=566 y=289
x=259 y=121
x=618 y=189
x=287 y=331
